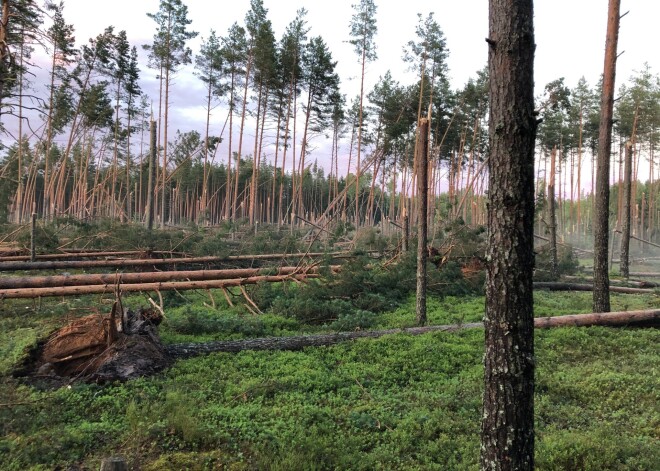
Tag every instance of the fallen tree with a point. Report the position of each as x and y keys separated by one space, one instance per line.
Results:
x=24 y=282
x=159 y=286
x=125 y=344
x=123 y=263
x=558 y=286
x=615 y=282
x=612 y=319
x=92 y=254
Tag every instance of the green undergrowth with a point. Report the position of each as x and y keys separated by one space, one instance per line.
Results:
x=398 y=402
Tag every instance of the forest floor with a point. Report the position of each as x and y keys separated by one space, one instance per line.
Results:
x=399 y=402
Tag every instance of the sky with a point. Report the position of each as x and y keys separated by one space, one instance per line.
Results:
x=570 y=38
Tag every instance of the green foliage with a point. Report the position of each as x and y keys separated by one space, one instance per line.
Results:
x=363 y=288
x=46 y=238
x=567 y=262
x=193 y=322
x=399 y=402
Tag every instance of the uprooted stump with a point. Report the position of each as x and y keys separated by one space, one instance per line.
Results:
x=101 y=348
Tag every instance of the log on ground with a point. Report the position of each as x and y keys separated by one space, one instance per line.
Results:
x=646 y=318
x=157 y=286
x=23 y=282
x=558 y=286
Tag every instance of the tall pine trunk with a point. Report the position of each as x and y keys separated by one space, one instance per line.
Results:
x=507 y=428
x=601 y=293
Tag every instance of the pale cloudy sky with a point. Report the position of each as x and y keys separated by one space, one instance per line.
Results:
x=570 y=37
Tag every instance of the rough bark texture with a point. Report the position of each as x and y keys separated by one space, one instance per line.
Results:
x=601 y=299
x=422 y=233
x=624 y=262
x=507 y=429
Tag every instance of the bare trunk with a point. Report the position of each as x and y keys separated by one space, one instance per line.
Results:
x=552 y=223
x=422 y=234
x=507 y=427
x=601 y=298
x=624 y=265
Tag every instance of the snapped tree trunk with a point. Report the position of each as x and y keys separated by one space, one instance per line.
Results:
x=554 y=267
x=422 y=193
x=624 y=259
x=152 y=176
x=507 y=427
x=601 y=298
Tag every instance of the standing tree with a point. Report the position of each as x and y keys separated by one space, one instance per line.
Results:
x=209 y=64
x=601 y=293
x=167 y=53
x=507 y=428
x=264 y=72
x=321 y=82
x=363 y=30
x=61 y=36
x=19 y=24
x=234 y=56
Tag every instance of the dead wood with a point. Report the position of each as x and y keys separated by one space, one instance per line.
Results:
x=122 y=263
x=558 y=286
x=80 y=349
x=157 y=286
x=147 y=277
x=646 y=318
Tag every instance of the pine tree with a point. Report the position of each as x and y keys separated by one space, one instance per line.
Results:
x=507 y=427
x=320 y=82
x=62 y=39
x=363 y=31
x=601 y=292
x=209 y=64
x=167 y=54
x=264 y=72
x=19 y=24
x=234 y=54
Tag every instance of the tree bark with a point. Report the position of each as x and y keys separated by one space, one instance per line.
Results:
x=507 y=428
x=601 y=298
x=624 y=258
x=422 y=234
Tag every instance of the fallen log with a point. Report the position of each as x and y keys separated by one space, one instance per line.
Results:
x=137 y=287
x=93 y=254
x=125 y=344
x=123 y=263
x=649 y=317
x=612 y=319
x=23 y=282
x=614 y=282
x=557 y=286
